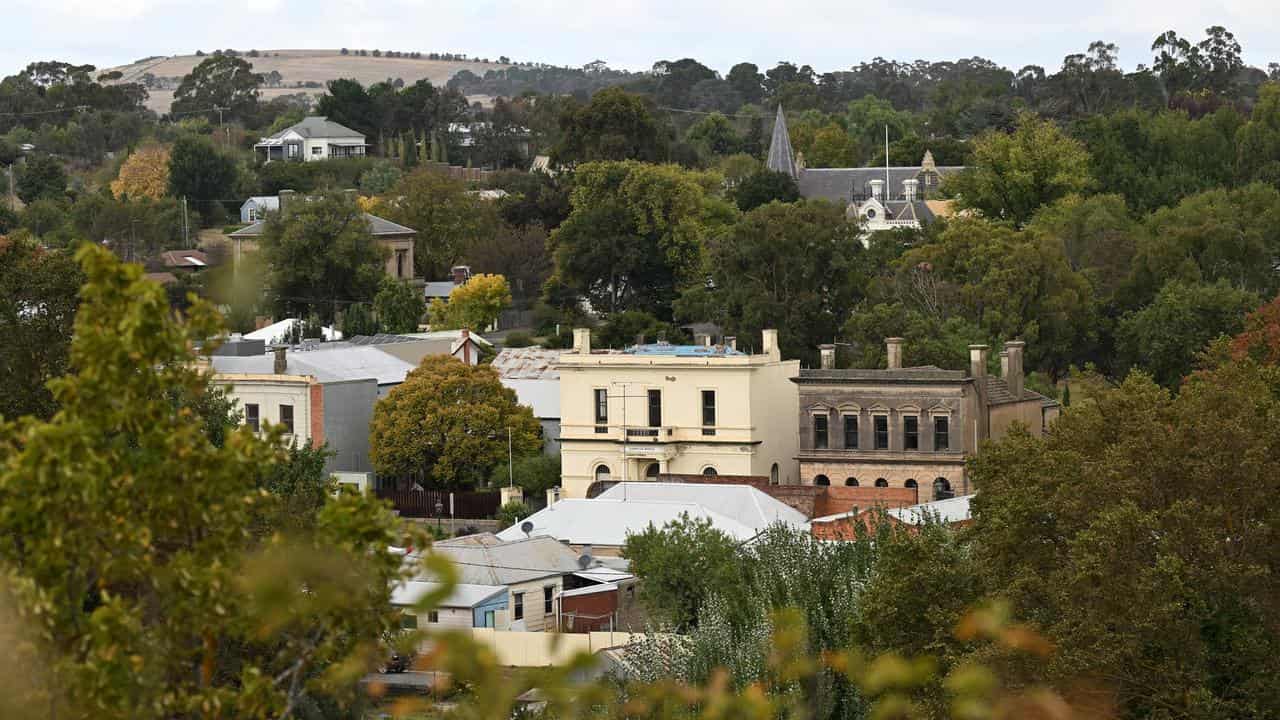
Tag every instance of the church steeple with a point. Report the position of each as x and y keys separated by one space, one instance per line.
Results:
x=781 y=158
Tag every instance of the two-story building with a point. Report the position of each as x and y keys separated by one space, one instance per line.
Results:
x=909 y=427
x=658 y=409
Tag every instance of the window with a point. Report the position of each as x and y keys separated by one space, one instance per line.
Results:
x=941 y=433
x=489 y=618
x=251 y=416
x=317 y=151
x=881 y=482
x=709 y=471
x=401 y=256
x=409 y=621
x=518 y=613
x=773 y=474
x=433 y=616
x=602 y=473
x=871 y=213
x=651 y=472
x=602 y=410
x=821 y=480
x=941 y=489
x=286 y=417
x=911 y=483
x=820 y=432
x=851 y=432
x=882 y=432
x=548 y=599
x=655 y=408
x=910 y=432
x=708 y=412
x=851 y=482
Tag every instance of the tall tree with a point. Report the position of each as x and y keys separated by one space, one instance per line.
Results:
x=202 y=174
x=399 y=306
x=615 y=125
x=144 y=174
x=447 y=218
x=42 y=177
x=219 y=81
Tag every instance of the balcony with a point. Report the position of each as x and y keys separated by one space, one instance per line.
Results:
x=642 y=433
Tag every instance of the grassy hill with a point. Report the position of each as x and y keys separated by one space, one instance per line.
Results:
x=297 y=68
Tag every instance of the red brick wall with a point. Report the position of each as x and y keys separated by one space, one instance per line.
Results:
x=317 y=414
x=843 y=499
x=813 y=500
x=847 y=528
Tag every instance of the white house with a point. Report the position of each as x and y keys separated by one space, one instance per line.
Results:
x=256 y=207
x=315 y=138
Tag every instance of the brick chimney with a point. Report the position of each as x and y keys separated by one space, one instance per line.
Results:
x=978 y=360
x=827 y=352
x=582 y=341
x=280 y=364
x=770 y=344
x=1014 y=375
x=893 y=348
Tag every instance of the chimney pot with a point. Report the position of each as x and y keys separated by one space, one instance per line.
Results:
x=732 y=342
x=909 y=188
x=893 y=349
x=978 y=360
x=770 y=344
x=281 y=362
x=582 y=341
x=1004 y=364
x=877 y=188
x=1014 y=377
x=286 y=197
x=827 y=353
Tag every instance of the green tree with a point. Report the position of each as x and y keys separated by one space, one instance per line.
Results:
x=202 y=174
x=1165 y=337
x=475 y=305
x=321 y=254
x=624 y=328
x=928 y=339
x=615 y=125
x=714 y=136
x=447 y=424
x=398 y=306
x=1011 y=175
x=830 y=147
x=219 y=81
x=511 y=513
x=447 y=219
x=534 y=473
x=380 y=178
x=41 y=177
x=1258 y=141
x=763 y=187
x=681 y=565
x=1098 y=237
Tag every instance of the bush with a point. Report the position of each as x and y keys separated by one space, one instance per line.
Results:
x=511 y=513
x=518 y=339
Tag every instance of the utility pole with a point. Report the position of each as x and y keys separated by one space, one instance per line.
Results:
x=186 y=239
x=511 y=473
x=13 y=197
x=226 y=134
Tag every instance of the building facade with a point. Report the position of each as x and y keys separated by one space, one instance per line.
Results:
x=659 y=409
x=909 y=427
x=315 y=138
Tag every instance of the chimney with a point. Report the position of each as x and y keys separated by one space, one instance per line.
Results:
x=893 y=348
x=978 y=360
x=1004 y=364
x=827 y=352
x=286 y=197
x=281 y=362
x=582 y=341
x=909 y=188
x=877 y=189
x=770 y=338
x=553 y=496
x=732 y=342
x=461 y=274
x=1014 y=375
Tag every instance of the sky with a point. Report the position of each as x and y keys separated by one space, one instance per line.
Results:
x=630 y=34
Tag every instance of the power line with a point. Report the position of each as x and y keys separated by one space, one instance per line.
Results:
x=711 y=112
x=33 y=113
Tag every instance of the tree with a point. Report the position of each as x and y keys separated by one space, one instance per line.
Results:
x=714 y=136
x=681 y=565
x=929 y=339
x=380 y=178
x=398 y=306
x=1012 y=175
x=831 y=146
x=321 y=254
x=626 y=328
x=764 y=187
x=175 y=607
x=786 y=267
x=1258 y=141
x=615 y=125
x=1098 y=237
x=41 y=177
x=746 y=79
x=447 y=424
x=1164 y=337
x=201 y=173
x=447 y=219
x=518 y=254
x=1260 y=339
x=220 y=81
x=144 y=174
x=38 y=298
x=474 y=305
x=534 y=473
x=511 y=513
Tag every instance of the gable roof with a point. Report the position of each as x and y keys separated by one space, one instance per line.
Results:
x=743 y=503
x=486 y=559
x=838 y=185
x=325 y=365
x=527 y=363
x=184 y=259
x=411 y=592
x=317 y=126
x=377 y=226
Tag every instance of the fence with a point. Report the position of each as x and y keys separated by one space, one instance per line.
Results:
x=442 y=503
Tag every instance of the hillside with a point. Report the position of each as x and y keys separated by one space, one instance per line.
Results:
x=298 y=68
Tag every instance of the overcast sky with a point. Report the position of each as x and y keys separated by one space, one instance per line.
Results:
x=826 y=34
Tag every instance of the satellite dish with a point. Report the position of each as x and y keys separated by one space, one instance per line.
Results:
x=585 y=561
x=526 y=527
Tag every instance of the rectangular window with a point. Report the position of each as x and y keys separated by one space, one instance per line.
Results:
x=602 y=410
x=518 y=614
x=286 y=417
x=910 y=433
x=409 y=621
x=881 y=426
x=548 y=595
x=433 y=616
x=820 y=432
x=941 y=433
x=851 y=432
x=251 y=416
x=655 y=408
x=708 y=412
x=401 y=255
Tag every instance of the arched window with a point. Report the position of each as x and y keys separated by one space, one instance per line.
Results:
x=911 y=483
x=821 y=480
x=709 y=471
x=602 y=473
x=773 y=474
x=941 y=488
x=651 y=472
x=851 y=482
x=881 y=482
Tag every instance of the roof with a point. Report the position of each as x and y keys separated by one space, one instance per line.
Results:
x=438 y=288
x=839 y=184
x=542 y=396
x=682 y=350
x=922 y=374
x=450 y=335
x=781 y=158
x=377 y=226
x=527 y=363
x=317 y=126
x=326 y=365
x=917 y=210
x=743 y=503
x=951 y=510
x=411 y=592
x=379 y=339
x=184 y=259
x=266 y=202
x=164 y=278
x=998 y=392
x=275 y=333
x=485 y=559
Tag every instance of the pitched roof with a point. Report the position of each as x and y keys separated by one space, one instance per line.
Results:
x=527 y=363
x=377 y=226
x=781 y=157
x=316 y=126
x=839 y=184
x=743 y=503
x=951 y=510
x=275 y=333
x=485 y=559
x=266 y=202
x=998 y=392
x=411 y=592
x=922 y=374
x=326 y=365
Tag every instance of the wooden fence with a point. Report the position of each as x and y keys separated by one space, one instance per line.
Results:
x=442 y=503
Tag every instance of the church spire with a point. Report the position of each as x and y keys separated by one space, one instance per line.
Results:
x=781 y=159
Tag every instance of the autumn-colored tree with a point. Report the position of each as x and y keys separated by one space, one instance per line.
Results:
x=448 y=423
x=1260 y=338
x=475 y=305
x=145 y=173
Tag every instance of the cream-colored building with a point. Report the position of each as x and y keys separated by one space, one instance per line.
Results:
x=663 y=409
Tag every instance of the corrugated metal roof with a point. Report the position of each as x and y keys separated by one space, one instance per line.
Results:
x=608 y=522
x=326 y=365
x=485 y=559
x=318 y=126
x=377 y=226
x=951 y=510
x=527 y=363
x=275 y=333
x=742 y=503
x=411 y=592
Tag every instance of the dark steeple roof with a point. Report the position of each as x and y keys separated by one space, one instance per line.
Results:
x=781 y=159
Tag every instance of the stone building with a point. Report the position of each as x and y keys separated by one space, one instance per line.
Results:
x=910 y=427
